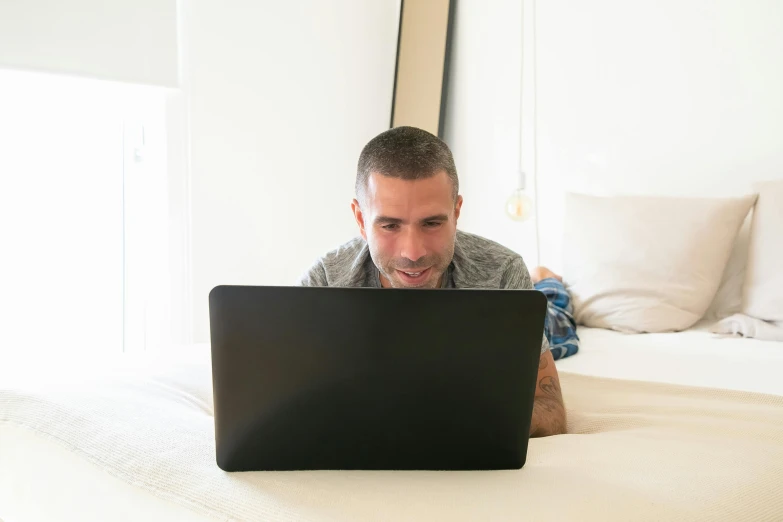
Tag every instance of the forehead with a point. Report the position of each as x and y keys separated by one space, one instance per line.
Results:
x=433 y=195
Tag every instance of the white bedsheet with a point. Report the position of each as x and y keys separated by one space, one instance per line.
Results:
x=695 y=357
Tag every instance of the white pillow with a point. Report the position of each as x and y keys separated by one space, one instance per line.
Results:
x=728 y=299
x=647 y=264
x=763 y=289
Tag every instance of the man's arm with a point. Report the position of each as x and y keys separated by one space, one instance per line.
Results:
x=549 y=415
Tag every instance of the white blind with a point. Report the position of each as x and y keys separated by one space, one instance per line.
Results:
x=125 y=40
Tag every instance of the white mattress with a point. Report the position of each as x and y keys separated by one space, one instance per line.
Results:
x=695 y=357
x=42 y=479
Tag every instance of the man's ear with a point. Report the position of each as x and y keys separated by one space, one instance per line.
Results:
x=359 y=217
x=457 y=208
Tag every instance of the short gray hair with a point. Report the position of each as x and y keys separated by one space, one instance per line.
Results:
x=405 y=153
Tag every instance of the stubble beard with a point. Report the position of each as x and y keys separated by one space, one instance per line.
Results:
x=388 y=268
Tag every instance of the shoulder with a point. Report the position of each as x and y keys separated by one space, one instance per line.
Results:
x=342 y=266
x=484 y=250
x=482 y=263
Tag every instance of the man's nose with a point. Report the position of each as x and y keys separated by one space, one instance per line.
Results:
x=412 y=246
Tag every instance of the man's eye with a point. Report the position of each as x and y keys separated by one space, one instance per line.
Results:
x=390 y=227
x=432 y=224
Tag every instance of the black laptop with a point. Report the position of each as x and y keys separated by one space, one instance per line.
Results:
x=357 y=378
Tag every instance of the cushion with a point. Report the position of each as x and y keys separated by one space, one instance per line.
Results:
x=647 y=264
x=728 y=299
x=763 y=288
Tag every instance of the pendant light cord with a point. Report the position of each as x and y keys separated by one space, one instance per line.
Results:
x=522 y=174
x=535 y=141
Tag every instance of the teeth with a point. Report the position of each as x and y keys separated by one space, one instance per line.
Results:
x=413 y=274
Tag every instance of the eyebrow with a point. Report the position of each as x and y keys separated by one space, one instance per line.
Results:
x=386 y=220
x=439 y=217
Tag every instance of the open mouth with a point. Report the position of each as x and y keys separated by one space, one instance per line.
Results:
x=410 y=276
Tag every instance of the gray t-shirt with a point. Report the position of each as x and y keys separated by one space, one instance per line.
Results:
x=477 y=263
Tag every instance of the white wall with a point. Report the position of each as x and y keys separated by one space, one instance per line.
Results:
x=482 y=125
x=282 y=96
x=668 y=97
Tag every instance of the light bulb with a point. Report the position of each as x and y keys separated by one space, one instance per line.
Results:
x=519 y=206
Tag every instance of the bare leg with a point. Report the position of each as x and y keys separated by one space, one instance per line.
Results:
x=542 y=272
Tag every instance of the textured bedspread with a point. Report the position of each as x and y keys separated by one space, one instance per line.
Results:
x=635 y=450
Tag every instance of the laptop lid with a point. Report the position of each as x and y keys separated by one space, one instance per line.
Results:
x=360 y=378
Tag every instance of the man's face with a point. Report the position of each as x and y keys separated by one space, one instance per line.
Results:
x=410 y=227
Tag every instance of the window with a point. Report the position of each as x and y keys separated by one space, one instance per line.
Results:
x=84 y=266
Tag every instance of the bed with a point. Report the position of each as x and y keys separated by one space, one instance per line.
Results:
x=685 y=426
x=695 y=357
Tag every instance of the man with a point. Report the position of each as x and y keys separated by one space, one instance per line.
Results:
x=407 y=206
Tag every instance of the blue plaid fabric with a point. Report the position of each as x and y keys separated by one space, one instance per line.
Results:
x=560 y=326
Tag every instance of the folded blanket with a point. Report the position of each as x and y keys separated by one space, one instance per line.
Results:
x=746 y=326
x=634 y=451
